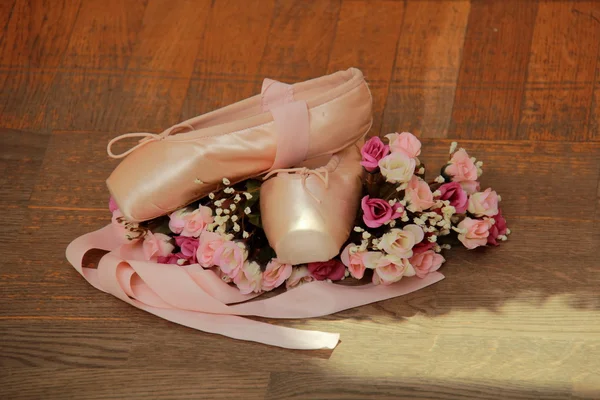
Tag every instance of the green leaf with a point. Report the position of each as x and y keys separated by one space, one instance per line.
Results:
x=255 y=220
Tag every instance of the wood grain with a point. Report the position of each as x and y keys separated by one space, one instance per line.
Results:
x=366 y=36
x=561 y=71
x=493 y=72
x=426 y=68
x=515 y=82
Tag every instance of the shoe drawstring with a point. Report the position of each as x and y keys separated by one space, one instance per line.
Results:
x=146 y=138
x=320 y=173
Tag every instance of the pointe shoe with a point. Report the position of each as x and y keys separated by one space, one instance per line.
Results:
x=283 y=126
x=307 y=214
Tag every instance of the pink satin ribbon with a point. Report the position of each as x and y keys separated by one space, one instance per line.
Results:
x=197 y=298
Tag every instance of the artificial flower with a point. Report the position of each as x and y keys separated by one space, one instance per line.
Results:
x=299 y=276
x=397 y=167
x=332 y=269
x=112 y=204
x=426 y=262
x=461 y=167
x=156 y=245
x=470 y=187
x=405 y=143
x=172 y=258
x=123 y=230
x=376 y=212
x=249 y=278
x=484 y=203
x=176 y=221
x=230 y=258
x=456 y=195
x=474 y=232
x=353 y=260
x=373 y=151
x=275 y=274
x=498 y=229
x=208 y=244
x=188 y=247
x=418 y=193
x=391 y=269
x=399 y=242
x=196 y=221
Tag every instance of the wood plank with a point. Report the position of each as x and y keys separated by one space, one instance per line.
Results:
x=492 y=76
x=426 y=68
x=565 y=50
x=301 y=33
x=159 y=71
x=366 y=38
x=227 y=65
x=34 y=42
x=143 y=383
x=86 y=91
x=357 y=386
x=78 y=343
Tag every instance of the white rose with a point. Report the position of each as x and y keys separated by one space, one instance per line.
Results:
x=399 y=242
x=397 y=167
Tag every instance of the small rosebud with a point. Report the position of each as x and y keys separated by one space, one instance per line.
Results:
x=247 y=210
x=226 y=181
x=432 y=238
x=248 y=195
x=366 y=235
x=234 y=218
x=219 y=211
x=232 y=206
x=226 y=211
x=245 y=235
x=237 y=198
x=358 y=229
x=236 y=227
x=198 y=181
x=211 y=196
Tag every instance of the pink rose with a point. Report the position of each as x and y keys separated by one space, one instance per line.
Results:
x=112 y=205
x=399 y=242
x=455 y=194
x=156 y=245
x=376 y=212
x=391 y=269
x=188 y=247
x=373 y=151
x=249 y=279
x=470 y=187
x=483 y=203
x=173 y=258
x=332 y=269
x=208 y=244
x=230 y=258
x=196 y=221
x=354 y=261
x=427 y=262
x=498 y=229
x=423 y=246
x=275 y=274
x=405 y=143
x=461 y=167
x=475 y=232
x=419 y=194
x=299 y=276
x=176 y=221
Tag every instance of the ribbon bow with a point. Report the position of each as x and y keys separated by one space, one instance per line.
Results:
x=146 y=138
x=321 y=173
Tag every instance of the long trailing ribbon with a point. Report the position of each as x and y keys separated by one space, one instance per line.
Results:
x=146 y=138
x=197 y=298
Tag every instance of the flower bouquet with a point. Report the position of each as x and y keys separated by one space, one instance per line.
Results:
x=199 y=266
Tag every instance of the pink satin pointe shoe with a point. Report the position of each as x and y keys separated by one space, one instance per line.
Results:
x=308 y=212
x=283 y=126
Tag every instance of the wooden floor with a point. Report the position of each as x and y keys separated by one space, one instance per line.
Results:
x=516 y=82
